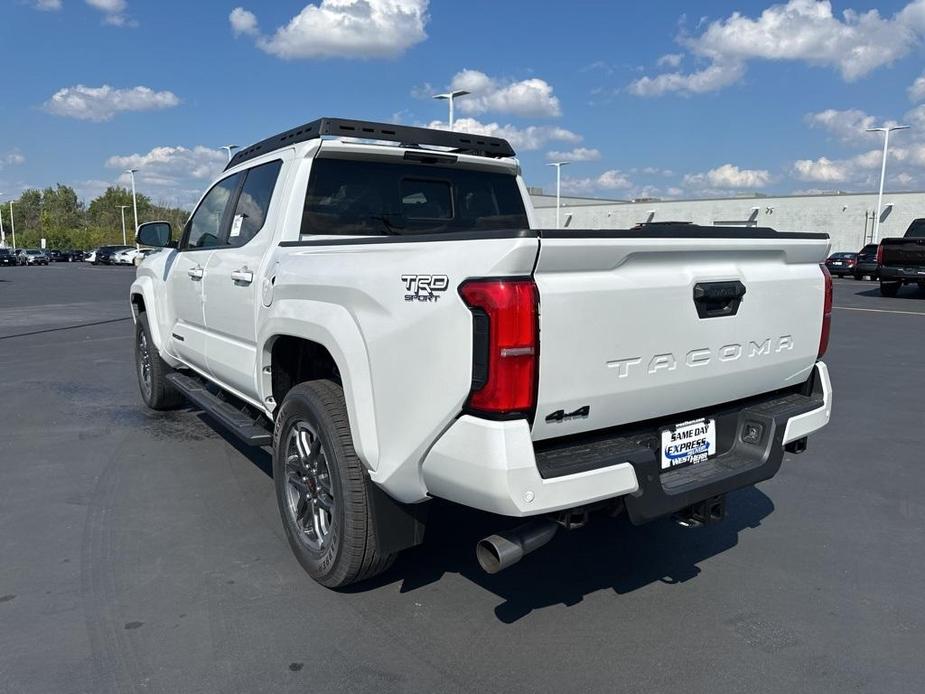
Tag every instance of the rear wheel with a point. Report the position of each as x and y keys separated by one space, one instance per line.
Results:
x=889 y=288
x=321 y=488
x=157 y=392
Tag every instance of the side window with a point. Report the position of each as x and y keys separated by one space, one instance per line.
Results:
x=204 y=229
x=250 y=213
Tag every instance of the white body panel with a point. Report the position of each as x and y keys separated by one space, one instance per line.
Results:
x=406 y=366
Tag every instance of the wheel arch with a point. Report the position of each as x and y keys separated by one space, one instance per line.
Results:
x=294 y=350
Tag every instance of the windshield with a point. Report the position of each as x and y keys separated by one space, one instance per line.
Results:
x=378 y=198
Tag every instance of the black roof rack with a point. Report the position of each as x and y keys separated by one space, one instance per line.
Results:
x=463 y=143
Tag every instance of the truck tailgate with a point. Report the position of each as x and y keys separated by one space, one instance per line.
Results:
x=622 y=338
x=904 y=252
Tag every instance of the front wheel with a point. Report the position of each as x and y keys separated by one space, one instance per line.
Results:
x=321 y=488
x=890 y=289
x=156 y=391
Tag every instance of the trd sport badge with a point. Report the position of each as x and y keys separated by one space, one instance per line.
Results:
x=424 y=287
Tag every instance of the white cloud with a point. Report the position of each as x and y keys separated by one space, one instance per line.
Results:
x=576 y=154
x=46 y=5
x=670 y=60
x=243 y=22
x=177 y=175
x=849 y=125
x=529 y=98
x=729 y=176
x=12 y=158
x=166 y=165
x=529 y=138
x=822 y=170
x=854 y=43
x=710 y=79
x=102 y=103
x=342 y=29
x=608 y=180
x=113 y=12
x=916 y=90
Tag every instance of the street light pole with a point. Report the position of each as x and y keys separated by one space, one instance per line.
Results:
x=450 y=97
x=886 y=144
x=132 y=173
x=122 y=208
x=230 y=149
x=12 y=225
x=558 y=165
x=2 y=234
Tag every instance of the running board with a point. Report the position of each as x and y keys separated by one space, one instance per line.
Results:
x=241 y=424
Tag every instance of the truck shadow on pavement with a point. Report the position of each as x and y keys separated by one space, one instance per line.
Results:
x=608 y=553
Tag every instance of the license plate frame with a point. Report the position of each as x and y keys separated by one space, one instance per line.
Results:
x=687 y=443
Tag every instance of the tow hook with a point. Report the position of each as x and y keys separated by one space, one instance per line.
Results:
x=706 y=512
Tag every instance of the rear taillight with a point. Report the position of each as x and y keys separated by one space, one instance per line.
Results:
x=880 y=254
x=505 y=345
x=826 y=312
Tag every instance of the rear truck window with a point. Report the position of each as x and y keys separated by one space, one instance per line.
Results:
x=362 y=198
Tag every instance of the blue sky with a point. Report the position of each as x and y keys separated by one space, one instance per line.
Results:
x=647 y=98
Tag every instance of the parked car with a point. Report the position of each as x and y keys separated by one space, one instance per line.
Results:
x=125 y=257
x=90 y=256
x=411 y=334
x=841 y=264
x=72 y=256
x=36 y=256
x=866 y=265
x=21 y=257
x=104 y=254
x=902 y=261
x=8 y=258
x=54 y=255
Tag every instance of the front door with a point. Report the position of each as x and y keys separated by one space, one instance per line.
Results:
x=186 y=338
x=233 y=281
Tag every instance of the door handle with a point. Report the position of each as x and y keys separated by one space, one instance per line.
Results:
x=242 y=275
x=195 y=273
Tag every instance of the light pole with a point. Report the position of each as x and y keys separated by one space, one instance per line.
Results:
x=230 y=149
x=886 y=143
x=132 y=173
x=122 y=208
x=558 y=165
x=2 y=234
x=12 y=225
x=450 y=97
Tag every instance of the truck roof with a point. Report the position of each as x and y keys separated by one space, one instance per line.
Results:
x=406 y=136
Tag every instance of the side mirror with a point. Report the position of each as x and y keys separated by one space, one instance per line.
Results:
x=157 y=234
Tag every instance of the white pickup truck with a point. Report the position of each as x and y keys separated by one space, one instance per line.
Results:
x=376 y=304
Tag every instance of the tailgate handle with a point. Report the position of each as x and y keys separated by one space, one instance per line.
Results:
x=717 y=299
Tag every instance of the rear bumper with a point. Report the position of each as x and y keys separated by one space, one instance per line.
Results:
x=494 y=466
x=915 y=273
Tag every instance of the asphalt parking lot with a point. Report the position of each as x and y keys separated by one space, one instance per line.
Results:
x=145 y=553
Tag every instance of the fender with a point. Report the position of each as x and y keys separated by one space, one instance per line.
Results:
x=144 y=285
x=333 y=327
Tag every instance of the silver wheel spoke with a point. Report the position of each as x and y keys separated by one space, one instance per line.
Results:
x=310 y=489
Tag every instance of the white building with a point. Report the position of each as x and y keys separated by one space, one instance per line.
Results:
x=848 y=218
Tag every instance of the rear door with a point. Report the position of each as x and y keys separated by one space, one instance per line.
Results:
x=234 y=277
x=623 y=337
x=186 y=337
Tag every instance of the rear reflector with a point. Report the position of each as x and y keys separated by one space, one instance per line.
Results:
x=880 y=254
x=504 y=360
x=826 y=312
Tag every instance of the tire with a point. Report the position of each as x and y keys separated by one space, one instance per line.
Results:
x=156 y=391
x=321 y=488
x=890 y=289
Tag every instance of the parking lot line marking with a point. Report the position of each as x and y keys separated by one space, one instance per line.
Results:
x=881 y=310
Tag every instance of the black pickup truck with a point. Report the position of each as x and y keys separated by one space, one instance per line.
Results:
x=902 y=261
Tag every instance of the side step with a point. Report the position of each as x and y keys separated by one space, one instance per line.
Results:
x=241 y=424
